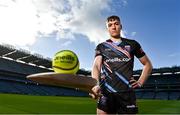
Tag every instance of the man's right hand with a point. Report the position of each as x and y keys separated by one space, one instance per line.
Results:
x=96 y=92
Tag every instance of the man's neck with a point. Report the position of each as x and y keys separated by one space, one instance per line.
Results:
x=117 y=39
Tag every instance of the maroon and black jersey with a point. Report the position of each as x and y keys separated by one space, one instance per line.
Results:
x=117 y=64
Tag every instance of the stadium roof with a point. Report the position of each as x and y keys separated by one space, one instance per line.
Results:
x=21 y=55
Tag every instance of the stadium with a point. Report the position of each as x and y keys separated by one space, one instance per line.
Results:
x=20 y=95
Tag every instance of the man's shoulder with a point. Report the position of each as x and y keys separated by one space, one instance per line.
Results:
x=130 y=41
x=99 y=46
x=101 y=43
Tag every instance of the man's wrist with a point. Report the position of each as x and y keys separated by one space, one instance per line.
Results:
x=140 y=84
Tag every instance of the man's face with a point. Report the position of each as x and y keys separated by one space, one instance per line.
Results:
x=114 y=28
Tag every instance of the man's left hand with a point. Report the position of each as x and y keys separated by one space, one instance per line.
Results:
x=135 y=84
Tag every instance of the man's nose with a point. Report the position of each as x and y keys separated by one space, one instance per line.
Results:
x=113 y=27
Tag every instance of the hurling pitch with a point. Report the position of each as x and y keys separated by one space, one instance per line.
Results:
x=28 y=104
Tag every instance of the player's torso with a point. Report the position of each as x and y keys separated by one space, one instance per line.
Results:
x=117 y=65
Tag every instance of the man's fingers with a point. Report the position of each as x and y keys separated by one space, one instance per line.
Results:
x=96 y=90
x=133 y=83
x=136 y=84
x=132 y=80
x=92 y=95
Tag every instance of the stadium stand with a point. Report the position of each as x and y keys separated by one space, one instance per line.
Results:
x=161 y=84
x=16 y=64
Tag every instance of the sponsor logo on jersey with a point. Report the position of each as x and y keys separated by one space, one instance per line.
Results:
x=116 y=59
x=127 y=48
x=130 y=106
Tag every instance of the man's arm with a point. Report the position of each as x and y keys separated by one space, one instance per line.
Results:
x=147 y=68
x=96 y=71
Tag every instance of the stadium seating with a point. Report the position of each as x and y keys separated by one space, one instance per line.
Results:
x=148 y=95
x=174 y=95
x=13 y=80
x=165 y=87
x=161 y=95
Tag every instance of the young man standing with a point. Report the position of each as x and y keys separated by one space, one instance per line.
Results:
x=115 y=57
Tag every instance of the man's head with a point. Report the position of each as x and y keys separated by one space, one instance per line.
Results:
x=114 y=26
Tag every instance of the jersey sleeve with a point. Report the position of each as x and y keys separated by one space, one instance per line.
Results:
x=138 y=50
x=98 y=50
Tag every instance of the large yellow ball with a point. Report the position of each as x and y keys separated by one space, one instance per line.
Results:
x=65 y=62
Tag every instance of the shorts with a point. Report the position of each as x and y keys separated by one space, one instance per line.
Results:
x=118 y=103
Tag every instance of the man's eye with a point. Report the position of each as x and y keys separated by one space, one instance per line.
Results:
x=109 y=25
x=117 y=23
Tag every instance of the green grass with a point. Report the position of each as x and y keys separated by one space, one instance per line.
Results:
x=159 y=106
x=11 y=103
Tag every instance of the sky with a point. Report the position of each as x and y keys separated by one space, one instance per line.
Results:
x=48 y=26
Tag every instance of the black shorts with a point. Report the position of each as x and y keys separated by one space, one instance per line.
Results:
x=118 y=103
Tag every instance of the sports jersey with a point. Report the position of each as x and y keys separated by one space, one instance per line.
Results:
x=117 y=64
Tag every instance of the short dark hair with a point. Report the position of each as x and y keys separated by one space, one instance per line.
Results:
x=113 y=17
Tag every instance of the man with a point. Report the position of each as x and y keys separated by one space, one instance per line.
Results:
x=115 y=57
